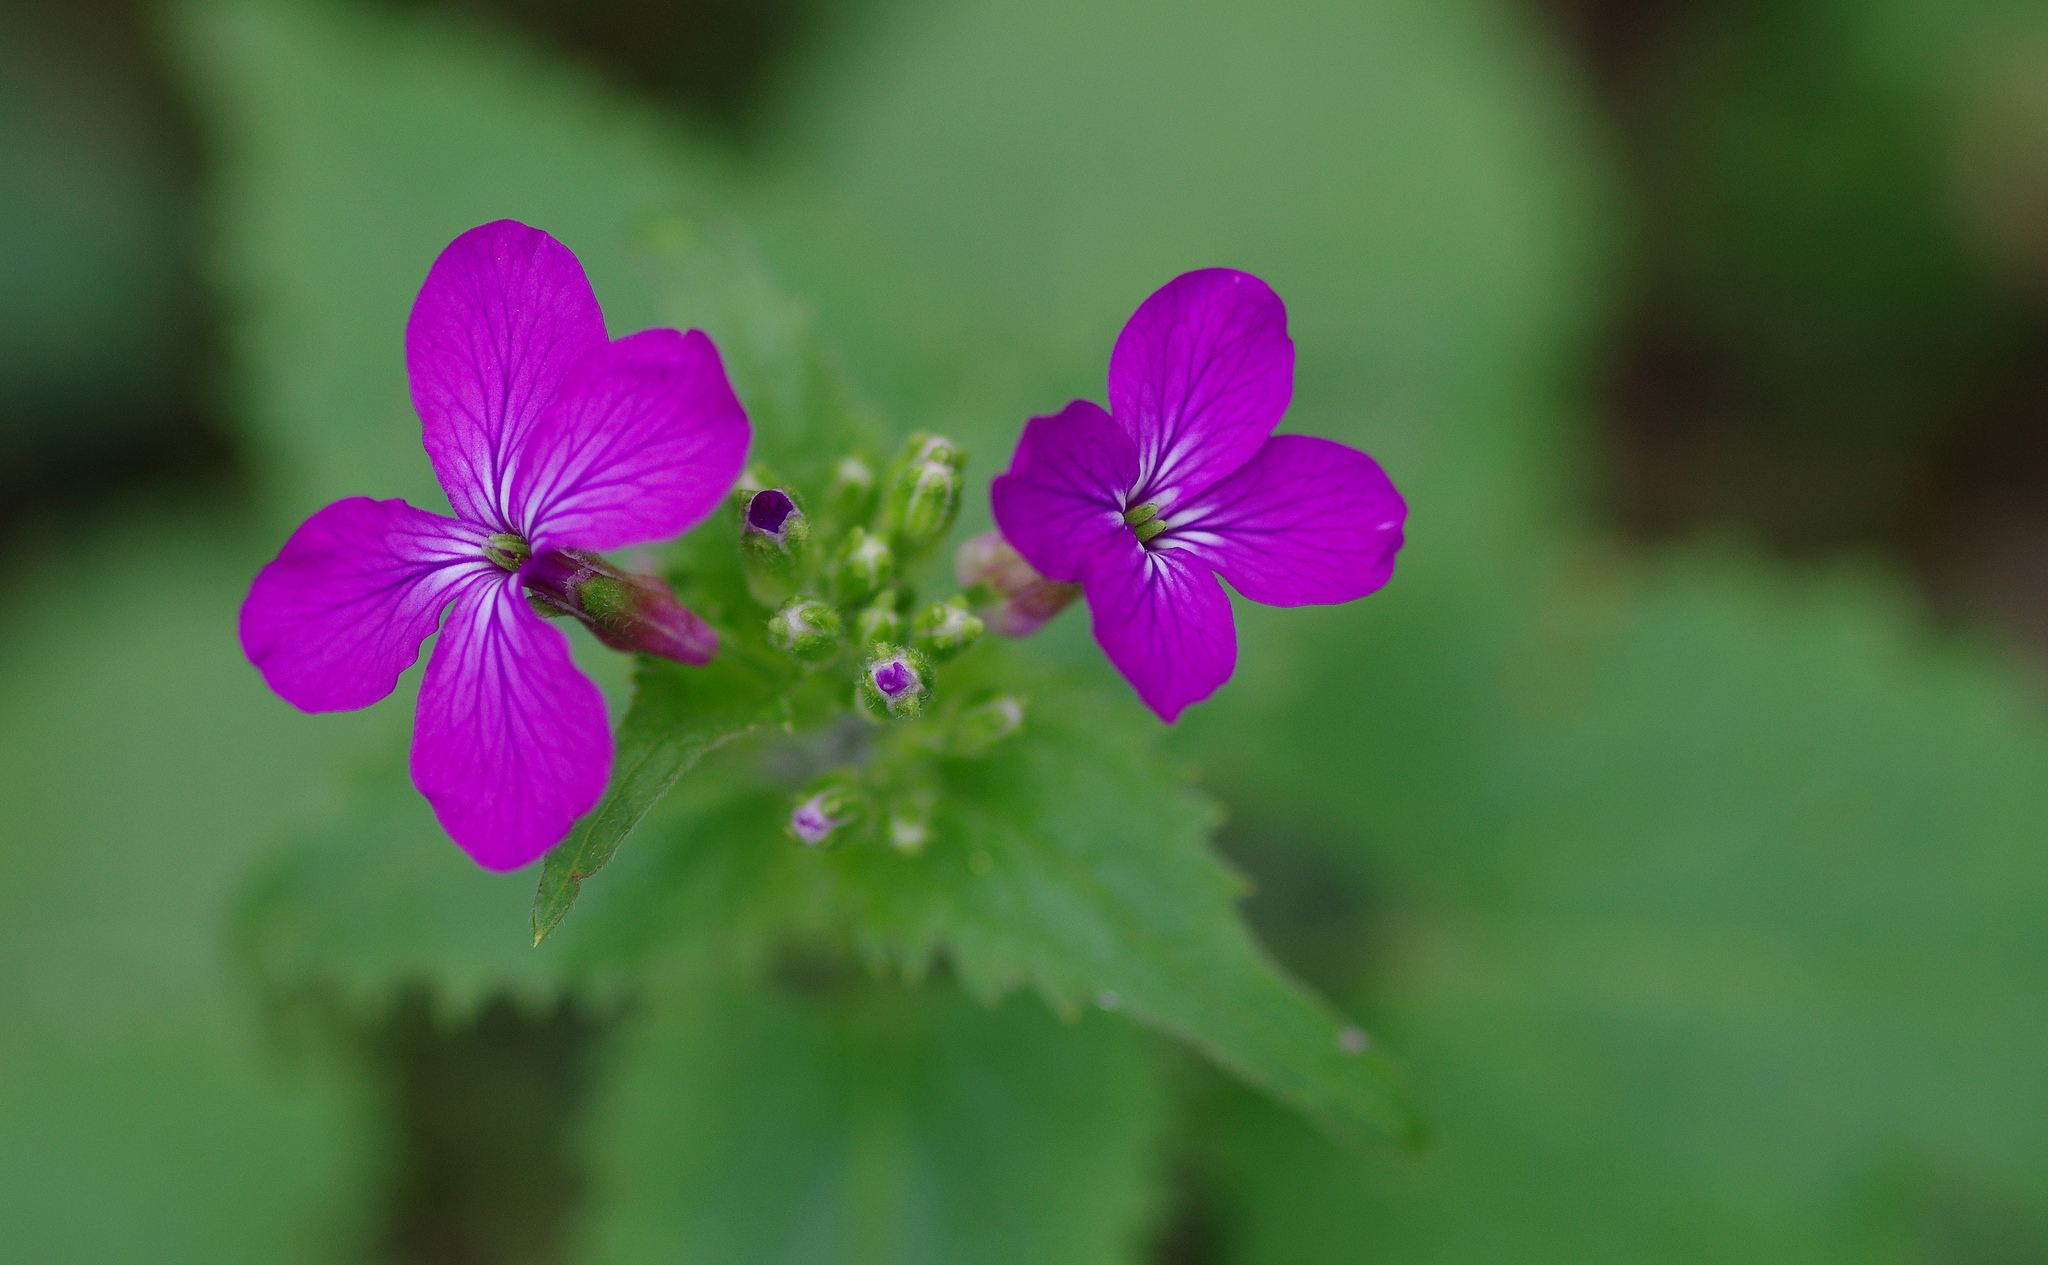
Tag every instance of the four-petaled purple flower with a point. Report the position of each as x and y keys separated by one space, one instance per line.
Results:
x=1182 y=479
x=551 y=440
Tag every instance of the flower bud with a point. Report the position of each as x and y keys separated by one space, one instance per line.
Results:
x=866 y=565
x=910 y=822
x=627 y=611
x=879 y=621
x=924 y=492
x=805 y=630
x=774 y=535
x=922 y=505
x=895 y=683
x=923 y=445
x=850 y=496
x=1019 y=599
x=980 y=727
x=824 y=811
x=945 y=629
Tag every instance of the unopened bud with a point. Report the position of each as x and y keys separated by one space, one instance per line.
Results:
x=774 y=518
x=923 y=496
x=980 y=727
x=866 y=565
x=879 y=620
x=1019 y=598
x=774 y=534
x=805 y=630
x=910 y=822
x=923 y=445
x=627 y=611
x=945 y=629
x=895 y=683
x=923 y=504
x=850 y=496
x=823 y=812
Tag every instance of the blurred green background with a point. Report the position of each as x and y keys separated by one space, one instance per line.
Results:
x=1678 y=816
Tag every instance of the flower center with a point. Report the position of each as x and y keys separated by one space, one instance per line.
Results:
x=507 y=550
x=1144 y=520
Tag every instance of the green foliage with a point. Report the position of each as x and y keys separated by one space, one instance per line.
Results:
x=1072 y=859
x=679 y=714
x=1732 y=958
x=816 y=1117
x=144 y=1119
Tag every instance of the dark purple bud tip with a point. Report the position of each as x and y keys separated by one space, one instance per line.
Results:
x=769 y=510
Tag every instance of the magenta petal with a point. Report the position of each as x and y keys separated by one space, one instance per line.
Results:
x=1165 y=623
x=1305 y=520
x=1200 y=376
x=510 y=745
x=341 y=611
x=504 y=315
x=644 y=439
x=1061 y=503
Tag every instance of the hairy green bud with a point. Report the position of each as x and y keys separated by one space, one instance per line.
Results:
x=923 y=496
x=945 y=629
x=866 y=565
x=895 y=683
x=805 y=630
x=850 y=496
x=910 y=821
x=980 y=727
x=774 y=536
x=880 y=620
x=923 y=445
x=825 y=811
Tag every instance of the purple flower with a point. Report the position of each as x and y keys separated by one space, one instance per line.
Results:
x=550 y=440
x=1182 y=479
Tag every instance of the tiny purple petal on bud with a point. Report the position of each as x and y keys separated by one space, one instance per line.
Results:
x=627 y=611
x=895 y=683
x=825 y=808
x=811 y=822
x=1024 y=599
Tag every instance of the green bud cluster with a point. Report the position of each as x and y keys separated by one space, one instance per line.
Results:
x=836 y=584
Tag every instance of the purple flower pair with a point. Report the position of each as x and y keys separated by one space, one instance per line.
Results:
x=552 y=441
x=1182 y=479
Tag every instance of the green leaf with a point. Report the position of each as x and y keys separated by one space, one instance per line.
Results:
x=1073 y=859
x=822 y=1117
x=377 y=898
x=1746 y=923
x=145 y=767
x=679 y=713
